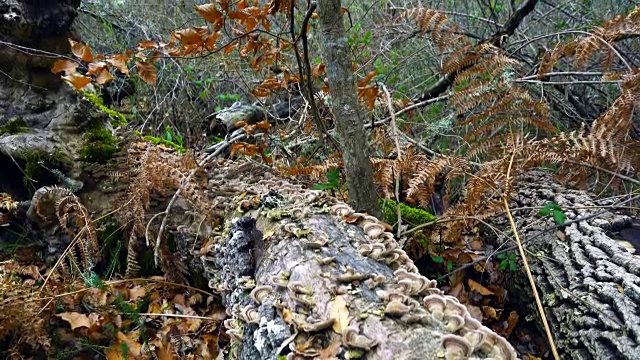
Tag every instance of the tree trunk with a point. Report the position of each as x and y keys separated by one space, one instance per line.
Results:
x=349 y=119
x=591 y=284
x=324 y=281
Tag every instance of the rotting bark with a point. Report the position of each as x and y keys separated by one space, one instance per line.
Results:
x=287 y=261
x=591 y=283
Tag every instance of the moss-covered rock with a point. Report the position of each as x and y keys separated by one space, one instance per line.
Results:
x=14 y=126
x=99 y=145
x=115 y=117
x=42 y=168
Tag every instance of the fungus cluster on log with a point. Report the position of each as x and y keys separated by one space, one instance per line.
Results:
x=330 y=283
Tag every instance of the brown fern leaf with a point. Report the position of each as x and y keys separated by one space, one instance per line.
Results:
x=444 y=34
x=443 y=169
x=315 y=172
x=153 y=174
x=132 y=257
x=384 y=171
x=600 y=39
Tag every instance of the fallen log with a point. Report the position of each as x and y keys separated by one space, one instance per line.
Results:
x=304 y=276
x=589 y=281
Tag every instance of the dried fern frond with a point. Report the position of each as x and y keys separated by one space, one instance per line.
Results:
x=599 y=40
x=153 y=174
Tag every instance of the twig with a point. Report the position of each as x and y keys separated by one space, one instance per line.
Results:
x=223 y=145
x=399 y=155
x=179 y=316
x=574 y=82
x=408 y=108
x=543 y=316
x=595 y=167
x=307 y=66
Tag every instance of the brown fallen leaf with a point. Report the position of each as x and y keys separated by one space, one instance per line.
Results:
x=75 y=319
x=338 y=311
x=477 y=287
x=512 y=320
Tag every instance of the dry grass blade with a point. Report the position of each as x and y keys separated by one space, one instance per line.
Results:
x=527 y=269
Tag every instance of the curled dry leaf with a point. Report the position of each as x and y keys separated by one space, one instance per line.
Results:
x=119 y=61
x=64 y=65
x=477 y=287
x=104 y=77
x=77 y=80
x=75 y=319
x=147 y=72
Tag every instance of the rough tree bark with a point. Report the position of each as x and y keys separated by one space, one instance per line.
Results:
x=324 y=280
x=349 y=119
x=591 y=284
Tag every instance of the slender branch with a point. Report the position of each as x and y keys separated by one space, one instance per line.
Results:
x=314 y=109
x=569 y=82
x=396 y=137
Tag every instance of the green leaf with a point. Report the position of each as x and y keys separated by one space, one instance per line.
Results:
x=503 y=265
x=323 y=186
x=548 y=208
x=512 y=266
x=333 y=176
x=502 y=256
x=437 y=259
x=559 y=217
x=449 y=266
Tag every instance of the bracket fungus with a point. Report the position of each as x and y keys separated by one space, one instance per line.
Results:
x=297 y=213
x=350 y=275
x=341 y=209
x=250 y=315
x=259 y=293
x=374 y=229
x=456 y=347
x=351 y=338
x=396 y=308
x=317 y=243
x=325 y=260
x=316 y=326
x=298 y=287
x=279 y=281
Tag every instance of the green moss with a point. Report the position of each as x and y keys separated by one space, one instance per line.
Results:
x=14 y=126
x=99 y=145
x=115 y=117
x=37 y=165
x=409 y=214
x=167 y=140
x=157 y=140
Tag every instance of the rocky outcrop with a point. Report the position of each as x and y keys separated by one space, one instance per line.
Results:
x=40 y=118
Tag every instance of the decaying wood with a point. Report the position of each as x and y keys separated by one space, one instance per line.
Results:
x=302 y=274
x=591 y=284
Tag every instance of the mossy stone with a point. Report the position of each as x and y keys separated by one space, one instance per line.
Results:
x=99 y=145
x=14 y=126
x=39 y=165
